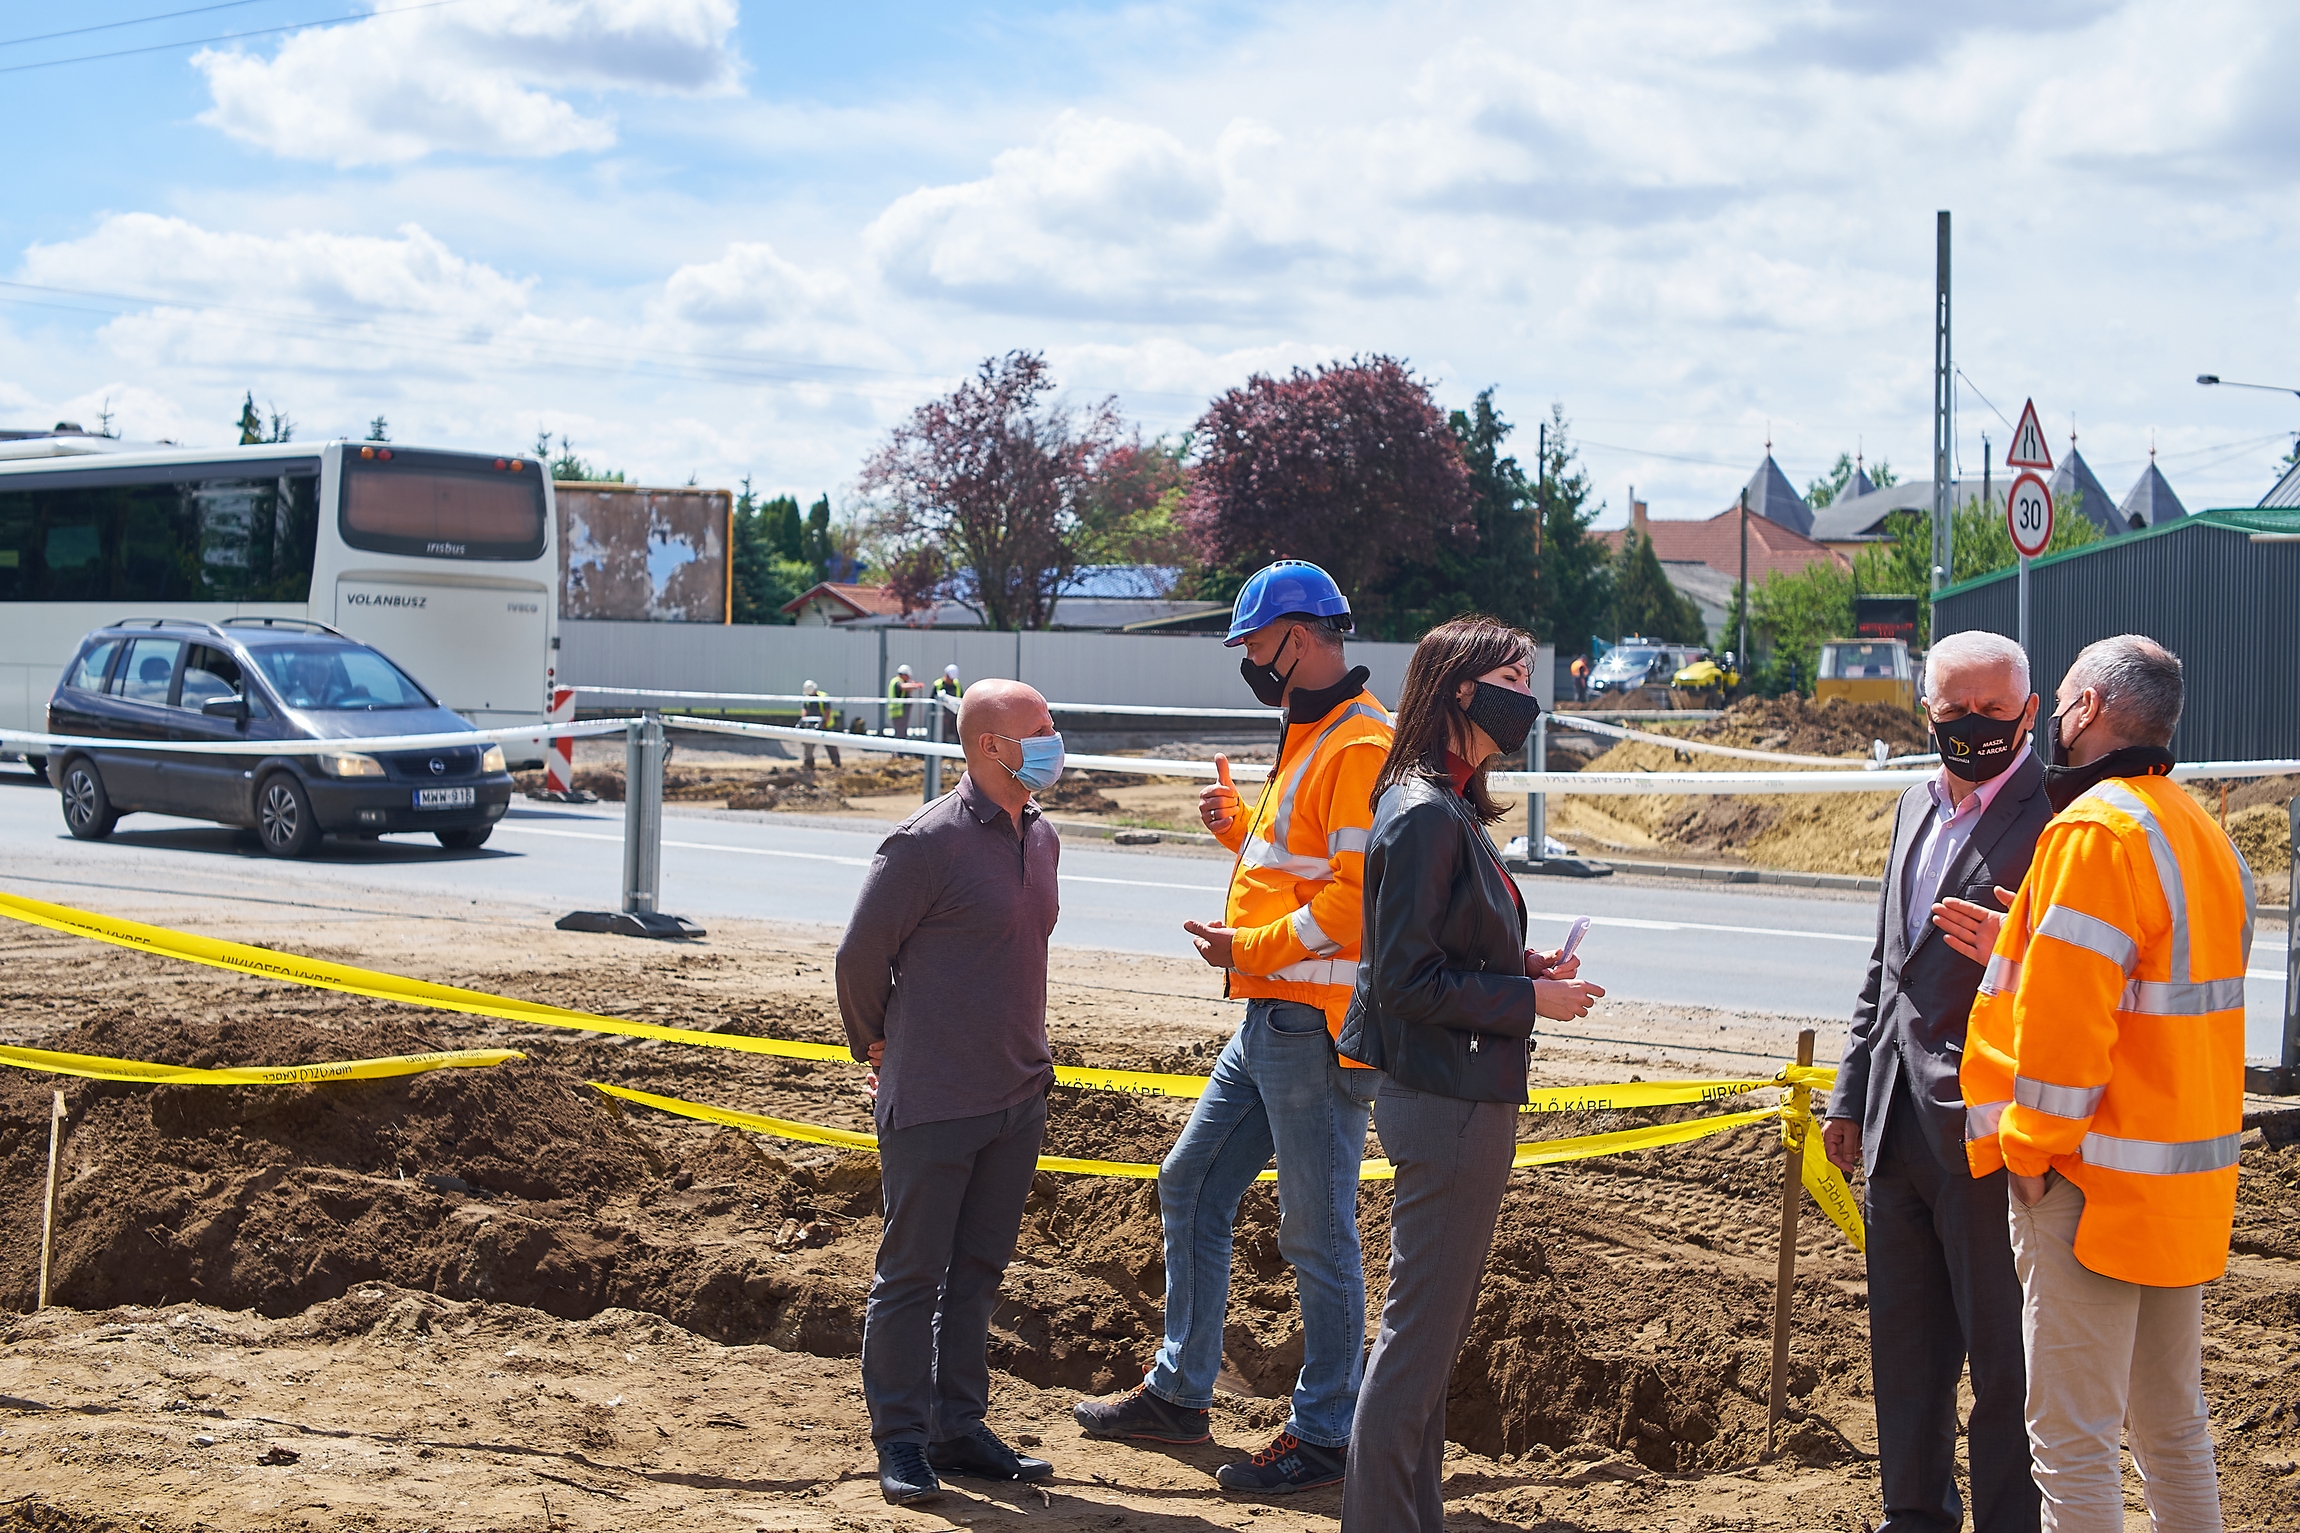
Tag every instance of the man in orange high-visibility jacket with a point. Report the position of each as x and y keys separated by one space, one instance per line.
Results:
x=2104 y=1069
x=1288 y=943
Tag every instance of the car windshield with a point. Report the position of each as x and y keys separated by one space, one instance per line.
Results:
x=1626 y=662
x=341 y=678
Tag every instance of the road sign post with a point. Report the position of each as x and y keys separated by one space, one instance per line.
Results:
x=2028 y=505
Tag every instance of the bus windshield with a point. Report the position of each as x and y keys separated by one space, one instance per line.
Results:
x=336 y=678
x=435 y=506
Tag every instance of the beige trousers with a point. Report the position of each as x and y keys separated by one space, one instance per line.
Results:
x=2105 y=1354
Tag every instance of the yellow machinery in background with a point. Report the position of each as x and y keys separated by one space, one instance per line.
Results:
x=1710 y=680
x=1867 y=671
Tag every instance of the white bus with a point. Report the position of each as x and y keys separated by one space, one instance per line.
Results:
x=445 y=561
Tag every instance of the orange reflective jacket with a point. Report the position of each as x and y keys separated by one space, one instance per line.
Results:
x=1297 y=892
x=2107 y=1042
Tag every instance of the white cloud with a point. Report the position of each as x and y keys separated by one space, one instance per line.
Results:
x=481 y=77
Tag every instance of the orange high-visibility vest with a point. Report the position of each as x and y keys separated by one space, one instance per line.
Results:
x=2107 y=1042
x=1297 y=892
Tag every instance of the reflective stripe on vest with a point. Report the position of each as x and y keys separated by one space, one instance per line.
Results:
x=2001 y=975
x=2060 y=1101
x=1308 y=933
x=1271 y=852
x=2179 y=996
x=1319 y=971
x=2150 y=1157
x=2091 y=933
x=1981 y=1118
x=2163 y=998
x=2168 y=876
x=1356 y=838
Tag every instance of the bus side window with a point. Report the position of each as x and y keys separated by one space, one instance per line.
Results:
x=89 y=671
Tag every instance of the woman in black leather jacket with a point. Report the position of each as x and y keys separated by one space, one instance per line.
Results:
x=1445 y=1004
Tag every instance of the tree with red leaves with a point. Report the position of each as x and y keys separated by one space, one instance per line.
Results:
x=993 y=497
x=1353 y=467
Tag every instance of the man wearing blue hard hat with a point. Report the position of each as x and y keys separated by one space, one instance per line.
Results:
x=1288 y=944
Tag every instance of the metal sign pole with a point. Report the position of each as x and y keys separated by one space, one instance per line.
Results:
x=642 y=811
x=2024 y=607
x=1536 y=806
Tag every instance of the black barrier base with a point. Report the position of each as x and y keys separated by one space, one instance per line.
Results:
x=630 y=923
x=1561 y=867
x=571 y=796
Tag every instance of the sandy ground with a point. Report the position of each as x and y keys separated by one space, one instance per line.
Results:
x=493 y=1299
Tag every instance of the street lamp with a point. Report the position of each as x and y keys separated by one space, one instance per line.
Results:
x=2210 y=379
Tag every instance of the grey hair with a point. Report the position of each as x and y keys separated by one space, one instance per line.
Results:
x=1976 y=646
x=2139 y=683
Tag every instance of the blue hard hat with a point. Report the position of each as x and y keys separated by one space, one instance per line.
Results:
x=1288 y=588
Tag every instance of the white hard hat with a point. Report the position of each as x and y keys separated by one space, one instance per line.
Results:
x=807 y=686
x=902 y=670
x=951 y=671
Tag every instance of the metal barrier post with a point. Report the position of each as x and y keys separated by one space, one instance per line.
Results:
x=2292 y=951
x=642 y=811
x=1536 y=805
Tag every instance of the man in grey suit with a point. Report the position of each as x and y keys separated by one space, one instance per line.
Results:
x=1941 y=1280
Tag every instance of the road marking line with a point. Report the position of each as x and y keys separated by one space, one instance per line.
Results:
x=1706 y=926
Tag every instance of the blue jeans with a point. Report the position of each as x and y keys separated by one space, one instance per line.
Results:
x=1276 y=1087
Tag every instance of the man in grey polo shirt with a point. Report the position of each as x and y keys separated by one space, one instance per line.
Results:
x=942 y=985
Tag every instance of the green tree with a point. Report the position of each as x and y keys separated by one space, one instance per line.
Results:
x=379 y=430
x=765 y=578
x=250 y=423
x=566 y=465
x=1797 y=614
x=1576 y=574
x=1497 y=570
x=1644 y=602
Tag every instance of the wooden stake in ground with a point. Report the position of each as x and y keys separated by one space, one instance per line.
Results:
x=48 y=1220
x=1795 y=1127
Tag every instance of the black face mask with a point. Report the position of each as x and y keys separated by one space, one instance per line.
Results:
x=1505 y=715
x=1268 y=682
x=2065 y=784
x=1977 y=747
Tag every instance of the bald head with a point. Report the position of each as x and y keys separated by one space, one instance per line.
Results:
x=993 y=713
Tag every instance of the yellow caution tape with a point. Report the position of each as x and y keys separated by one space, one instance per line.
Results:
x=95 y=1067
x=268 y=963
x=1539 y=1152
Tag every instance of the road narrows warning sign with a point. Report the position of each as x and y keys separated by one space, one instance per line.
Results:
x=2028 y=512
x=2027 y=449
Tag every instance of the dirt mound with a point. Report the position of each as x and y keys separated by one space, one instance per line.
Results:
x=1801 y=727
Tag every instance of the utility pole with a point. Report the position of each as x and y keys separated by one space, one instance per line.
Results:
x=1943 y=408
x=1541 y=489
x=1744 y=580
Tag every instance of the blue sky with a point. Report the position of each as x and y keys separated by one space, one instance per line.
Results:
x=708 y=238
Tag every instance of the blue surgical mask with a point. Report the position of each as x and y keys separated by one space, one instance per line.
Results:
x=1041 y=762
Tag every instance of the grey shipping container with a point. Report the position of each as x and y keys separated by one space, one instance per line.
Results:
x=640 y=555
x=2221 y=590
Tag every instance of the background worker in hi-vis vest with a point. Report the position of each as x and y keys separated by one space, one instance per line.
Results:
x=1288 y=942
x=2104 y=1069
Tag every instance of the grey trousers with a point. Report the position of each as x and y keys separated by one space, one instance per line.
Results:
x=2105 y=1355
x=954 y=1193
x=1942 y=1287
x=1453 y=1162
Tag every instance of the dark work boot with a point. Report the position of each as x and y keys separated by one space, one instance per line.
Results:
x=982 y=1456
x=1288 y=1464
x=904 y=1476
x=1141 y=1414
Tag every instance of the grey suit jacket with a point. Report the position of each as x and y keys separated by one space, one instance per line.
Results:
x=1918 y=997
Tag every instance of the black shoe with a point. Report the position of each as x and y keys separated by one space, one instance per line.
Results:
x=1287 y=1465
x=1142 y=1414
x=903 y=1475
x=982 y=1456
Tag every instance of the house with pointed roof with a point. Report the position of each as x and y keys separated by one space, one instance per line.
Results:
x=2285 y=491
x=2150 y=502
x=1772 y=497
x=1702 y=558
x=2075 y=476
x=1850 y=521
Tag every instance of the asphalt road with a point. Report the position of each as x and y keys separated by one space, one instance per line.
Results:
x=1737 y=949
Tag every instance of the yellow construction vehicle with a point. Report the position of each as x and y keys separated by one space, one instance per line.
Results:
x=1709 y=680
x=1867 y=671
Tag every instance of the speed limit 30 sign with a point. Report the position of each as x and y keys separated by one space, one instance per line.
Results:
x=2028 y=515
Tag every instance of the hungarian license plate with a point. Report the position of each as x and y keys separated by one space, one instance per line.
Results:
x=446 y=798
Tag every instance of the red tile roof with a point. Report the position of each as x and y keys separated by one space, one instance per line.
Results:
x=859 y=600
x=1716 y=542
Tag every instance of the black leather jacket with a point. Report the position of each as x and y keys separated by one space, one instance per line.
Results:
x=1442 y=1000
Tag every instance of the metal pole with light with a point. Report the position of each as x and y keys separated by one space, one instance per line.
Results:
x=1943 y=409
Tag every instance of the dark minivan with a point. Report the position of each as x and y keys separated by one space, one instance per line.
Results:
x=258 y=680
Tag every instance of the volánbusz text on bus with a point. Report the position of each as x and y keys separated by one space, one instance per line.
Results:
x=444 y=561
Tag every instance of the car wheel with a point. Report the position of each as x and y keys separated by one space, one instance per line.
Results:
x=284 y=821
x=464 y=840
x=39 y=766
x=88 y=811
